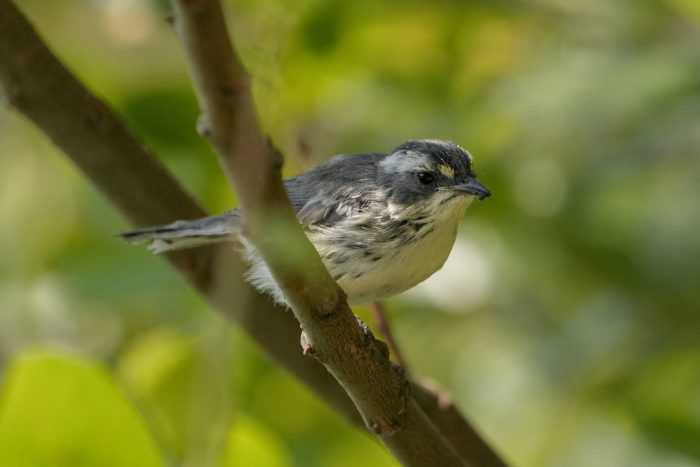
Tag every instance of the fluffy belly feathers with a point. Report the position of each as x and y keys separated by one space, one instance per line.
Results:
x=394 y=265
x=375 y=263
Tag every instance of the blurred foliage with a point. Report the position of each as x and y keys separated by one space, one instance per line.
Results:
x=60 y=410
x=565 y=323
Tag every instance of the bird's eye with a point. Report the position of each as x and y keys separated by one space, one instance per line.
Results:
x=426 y=178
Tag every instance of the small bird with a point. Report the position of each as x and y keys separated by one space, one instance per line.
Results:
x=381 y=223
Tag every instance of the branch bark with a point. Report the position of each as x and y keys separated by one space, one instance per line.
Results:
x=34 y=82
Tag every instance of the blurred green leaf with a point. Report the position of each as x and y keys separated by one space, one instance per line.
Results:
x=674 y=433
x=251 y=443
x=183 y=397
x=167 y=118
x=63 y=410
x=159 y=371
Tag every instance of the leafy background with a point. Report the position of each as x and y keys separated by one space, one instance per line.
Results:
x=565 y=323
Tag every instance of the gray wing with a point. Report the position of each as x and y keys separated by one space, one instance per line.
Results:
x=342 y=187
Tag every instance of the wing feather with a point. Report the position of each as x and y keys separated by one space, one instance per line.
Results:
x=342 y=187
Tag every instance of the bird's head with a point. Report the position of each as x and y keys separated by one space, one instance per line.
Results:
x=430 y=176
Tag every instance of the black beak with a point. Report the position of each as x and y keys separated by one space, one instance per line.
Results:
x=473 y=187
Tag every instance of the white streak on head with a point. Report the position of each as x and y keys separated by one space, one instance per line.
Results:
x=448 y=145
x=404 y=161
x=422 y=155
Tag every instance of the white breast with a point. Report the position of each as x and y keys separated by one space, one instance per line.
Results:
x=402 y=267
x=397 y=262
x=405 y=264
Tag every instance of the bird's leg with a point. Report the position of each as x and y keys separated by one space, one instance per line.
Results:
x=382 y=323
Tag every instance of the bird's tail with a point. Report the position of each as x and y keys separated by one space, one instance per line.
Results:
x=187 y=234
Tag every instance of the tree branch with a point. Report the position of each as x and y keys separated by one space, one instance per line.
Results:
x=332 y=334
x=34 y=82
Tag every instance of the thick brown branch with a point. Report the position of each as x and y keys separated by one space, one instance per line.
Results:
x=34 y=82
x=331 y=333
x=82 y=126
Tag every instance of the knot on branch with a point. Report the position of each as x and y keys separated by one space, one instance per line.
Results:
x=306 y=345
x=209 y=131
x=336 y=303
x=383 y=427
x=405 y=389
x=371 y=343
x=204 y=126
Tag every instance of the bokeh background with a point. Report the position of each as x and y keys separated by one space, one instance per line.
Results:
x=566 y=323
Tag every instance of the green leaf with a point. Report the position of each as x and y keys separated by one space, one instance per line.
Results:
x=182 y=389
x=64 y=410
x=251 y=443
x=158 y=371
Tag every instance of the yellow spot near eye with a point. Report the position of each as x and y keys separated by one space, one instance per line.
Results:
x=446 y=170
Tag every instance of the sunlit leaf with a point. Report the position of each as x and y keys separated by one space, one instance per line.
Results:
x=251 y=443
x=61 y=410
x=180 y=394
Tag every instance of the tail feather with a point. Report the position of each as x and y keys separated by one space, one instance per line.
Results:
x=187 y=234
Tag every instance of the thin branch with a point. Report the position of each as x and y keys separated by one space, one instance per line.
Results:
x=34 y=82
x=382 y=323
x=455 y=428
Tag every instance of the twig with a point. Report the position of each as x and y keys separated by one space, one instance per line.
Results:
x=382 y=323
x=34 y=82
x=456 y=429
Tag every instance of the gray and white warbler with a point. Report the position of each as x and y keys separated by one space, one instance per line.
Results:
x=382 y=223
